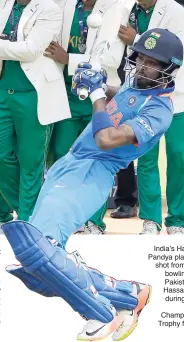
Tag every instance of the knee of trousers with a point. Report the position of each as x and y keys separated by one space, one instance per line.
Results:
x=6 y=158
x=57 y=269
x=175 y=159
x=120 y=293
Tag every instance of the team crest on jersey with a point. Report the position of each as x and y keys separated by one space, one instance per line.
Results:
x=132 y=101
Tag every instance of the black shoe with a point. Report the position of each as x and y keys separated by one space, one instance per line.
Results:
x=124 y=211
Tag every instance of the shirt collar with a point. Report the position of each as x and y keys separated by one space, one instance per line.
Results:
x=148 y=11
x=159 y=91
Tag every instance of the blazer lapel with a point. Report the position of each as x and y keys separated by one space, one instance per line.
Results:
x=69 y=10
x=100 y=7
x=5 y=10
x=158 y=14
x=28 y=12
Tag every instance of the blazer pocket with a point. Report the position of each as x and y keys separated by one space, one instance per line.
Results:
x=52 y=71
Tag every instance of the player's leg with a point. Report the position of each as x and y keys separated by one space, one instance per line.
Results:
x=63 y=209
x=9 y=166
x=150 y=192
x=32 y=143
x=69 y=191
x=175 y=175
x=128 y=297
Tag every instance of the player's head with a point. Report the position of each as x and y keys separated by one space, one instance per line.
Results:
x=155 y=59
x=146 y=3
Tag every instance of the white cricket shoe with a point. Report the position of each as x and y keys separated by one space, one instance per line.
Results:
x=95 y=330
x=130 y=317
x=123 y=323
x=150 y=228
x=175 y=230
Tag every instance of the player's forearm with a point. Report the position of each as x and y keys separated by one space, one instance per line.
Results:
x=112 y=137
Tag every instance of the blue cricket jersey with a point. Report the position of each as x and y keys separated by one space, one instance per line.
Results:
x=149 y=112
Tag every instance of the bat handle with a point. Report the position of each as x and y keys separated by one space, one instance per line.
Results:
x=83 y=94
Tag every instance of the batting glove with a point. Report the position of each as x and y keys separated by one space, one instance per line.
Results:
x=89 y=82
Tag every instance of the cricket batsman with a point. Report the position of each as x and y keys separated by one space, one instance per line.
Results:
x=126 y=123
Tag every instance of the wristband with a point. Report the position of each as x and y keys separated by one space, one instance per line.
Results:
x=100 y=120
x=97 y=94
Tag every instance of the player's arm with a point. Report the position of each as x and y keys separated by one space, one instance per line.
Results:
x=152 y=122
x=109 y=137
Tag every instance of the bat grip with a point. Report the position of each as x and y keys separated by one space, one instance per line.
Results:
x=83 y=93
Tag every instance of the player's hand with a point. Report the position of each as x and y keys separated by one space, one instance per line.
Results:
x=83 y=66
x=86 y=77
x=57 y=53
x=127 y=34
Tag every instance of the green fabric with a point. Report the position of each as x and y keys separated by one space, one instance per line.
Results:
x=98 y=217
x=13 y=77
x=144 y=17
x=5 y=211
x=21 y=173
x=65 y=133
x=150 y=207
x=175 y=172
x=149 y=181
x=78 y=108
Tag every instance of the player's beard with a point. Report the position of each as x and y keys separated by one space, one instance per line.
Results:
x=145 y=83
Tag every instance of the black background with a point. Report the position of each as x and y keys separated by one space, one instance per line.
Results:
x=180 y=2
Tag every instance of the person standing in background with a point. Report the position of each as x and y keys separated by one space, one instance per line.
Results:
x=77 y=44
x=168 y=14
x=29 y=100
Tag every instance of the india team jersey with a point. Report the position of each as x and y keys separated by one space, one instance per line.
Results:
x=149 y=112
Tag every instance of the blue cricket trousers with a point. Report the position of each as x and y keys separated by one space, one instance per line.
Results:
x=73 y=191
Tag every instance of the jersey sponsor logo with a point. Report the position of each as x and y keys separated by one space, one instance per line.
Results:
x=74 y=41
x=146 y=126
x=132 y=101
